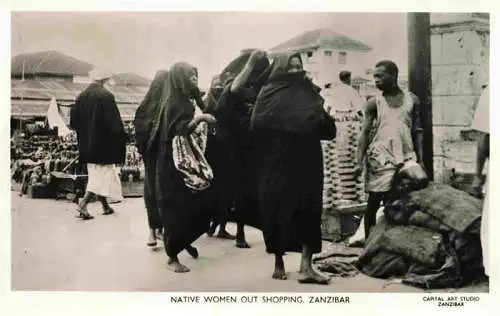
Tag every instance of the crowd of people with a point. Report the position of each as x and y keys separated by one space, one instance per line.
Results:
x=250 y=147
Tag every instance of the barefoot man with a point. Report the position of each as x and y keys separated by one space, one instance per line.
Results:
x=391 y=135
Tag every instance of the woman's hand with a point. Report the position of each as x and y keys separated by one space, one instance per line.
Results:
x=208 y=118
x=255 y=56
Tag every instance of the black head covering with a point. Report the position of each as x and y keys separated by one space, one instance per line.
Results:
x=148 y=111
x=177 y=107
x=289 y=101
x=223 y=81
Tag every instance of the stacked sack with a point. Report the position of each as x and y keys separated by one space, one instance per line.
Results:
x=341 y=187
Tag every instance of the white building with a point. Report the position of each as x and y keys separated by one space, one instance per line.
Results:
x=325 y=53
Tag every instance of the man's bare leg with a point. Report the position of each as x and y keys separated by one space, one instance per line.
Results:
x=372 y=206
x=107 y=210
x=279 y=268
x=82 y=206
x=306 y=273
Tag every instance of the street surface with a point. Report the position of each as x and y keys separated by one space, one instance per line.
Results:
x=54 y=251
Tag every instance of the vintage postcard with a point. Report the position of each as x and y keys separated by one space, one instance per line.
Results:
x=210 y=160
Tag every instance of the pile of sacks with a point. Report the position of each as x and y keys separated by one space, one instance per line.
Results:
x=429 y=236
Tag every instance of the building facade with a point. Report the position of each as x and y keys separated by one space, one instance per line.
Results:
x=325 y=54
x=460 y=69
x=37 y=77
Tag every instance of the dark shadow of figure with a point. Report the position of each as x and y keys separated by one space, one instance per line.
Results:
x=231 y=151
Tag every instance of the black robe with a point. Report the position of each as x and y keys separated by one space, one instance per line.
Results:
x=231 y=151
x=146 y=140
x=99 y=128
x=184 y=214
x=289 y=123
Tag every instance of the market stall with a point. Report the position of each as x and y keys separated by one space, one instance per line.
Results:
x=344 y=197
x=45 y=164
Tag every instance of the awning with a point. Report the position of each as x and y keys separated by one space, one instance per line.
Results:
x=32 y=108
x=39 y=108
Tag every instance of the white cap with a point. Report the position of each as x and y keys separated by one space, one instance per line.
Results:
x=99 y=74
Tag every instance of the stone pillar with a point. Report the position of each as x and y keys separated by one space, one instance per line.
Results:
x=419 y=79
x=460 y=61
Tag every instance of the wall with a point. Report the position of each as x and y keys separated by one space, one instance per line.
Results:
x=325 y=69
x=460 y=66
x=81 y=79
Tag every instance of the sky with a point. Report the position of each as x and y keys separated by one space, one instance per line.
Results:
x=144 y=42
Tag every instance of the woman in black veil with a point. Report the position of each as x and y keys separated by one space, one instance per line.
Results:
x=147 y=111
x=168 y=110
x=242 y=80
x=289 y=121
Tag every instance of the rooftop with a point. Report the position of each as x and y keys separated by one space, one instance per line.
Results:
x=324 y=38
x=49 y=63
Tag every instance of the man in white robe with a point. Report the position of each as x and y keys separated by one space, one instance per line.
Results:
x=101 y=142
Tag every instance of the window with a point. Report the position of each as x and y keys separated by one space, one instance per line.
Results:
x=309 y=54
x=342 y=58
x=328 y=53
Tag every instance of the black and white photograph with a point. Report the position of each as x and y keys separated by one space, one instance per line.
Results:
x=250 y=152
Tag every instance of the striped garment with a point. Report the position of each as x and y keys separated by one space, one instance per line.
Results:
x=189 y=157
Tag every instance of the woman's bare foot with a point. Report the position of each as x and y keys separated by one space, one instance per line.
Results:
x=241 y=242
x=223 y=234
x=240 y=236
x=159 y=234
x=152 y=238
x=306 y=273
x=211 y=230
x=279 y=268
x=175 y=266
x=279 y=274
x=192 y=251
x=311 y=276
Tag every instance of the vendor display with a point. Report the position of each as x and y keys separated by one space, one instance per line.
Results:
x=41 y=159
x=341 y=187
x=132 y=169
x=35 y=156
x=132 y=173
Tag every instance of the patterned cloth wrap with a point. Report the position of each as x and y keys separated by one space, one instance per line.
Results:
x=189 y=158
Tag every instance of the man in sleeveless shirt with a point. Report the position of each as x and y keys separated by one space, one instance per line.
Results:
x=391 y=134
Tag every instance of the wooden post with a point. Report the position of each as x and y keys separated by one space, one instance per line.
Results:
x=420 y=78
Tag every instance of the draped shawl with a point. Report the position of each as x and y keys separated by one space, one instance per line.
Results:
x=148 y=111
x=233 y=110
x=289 y=101
x=177 y=109
x=222 y=83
